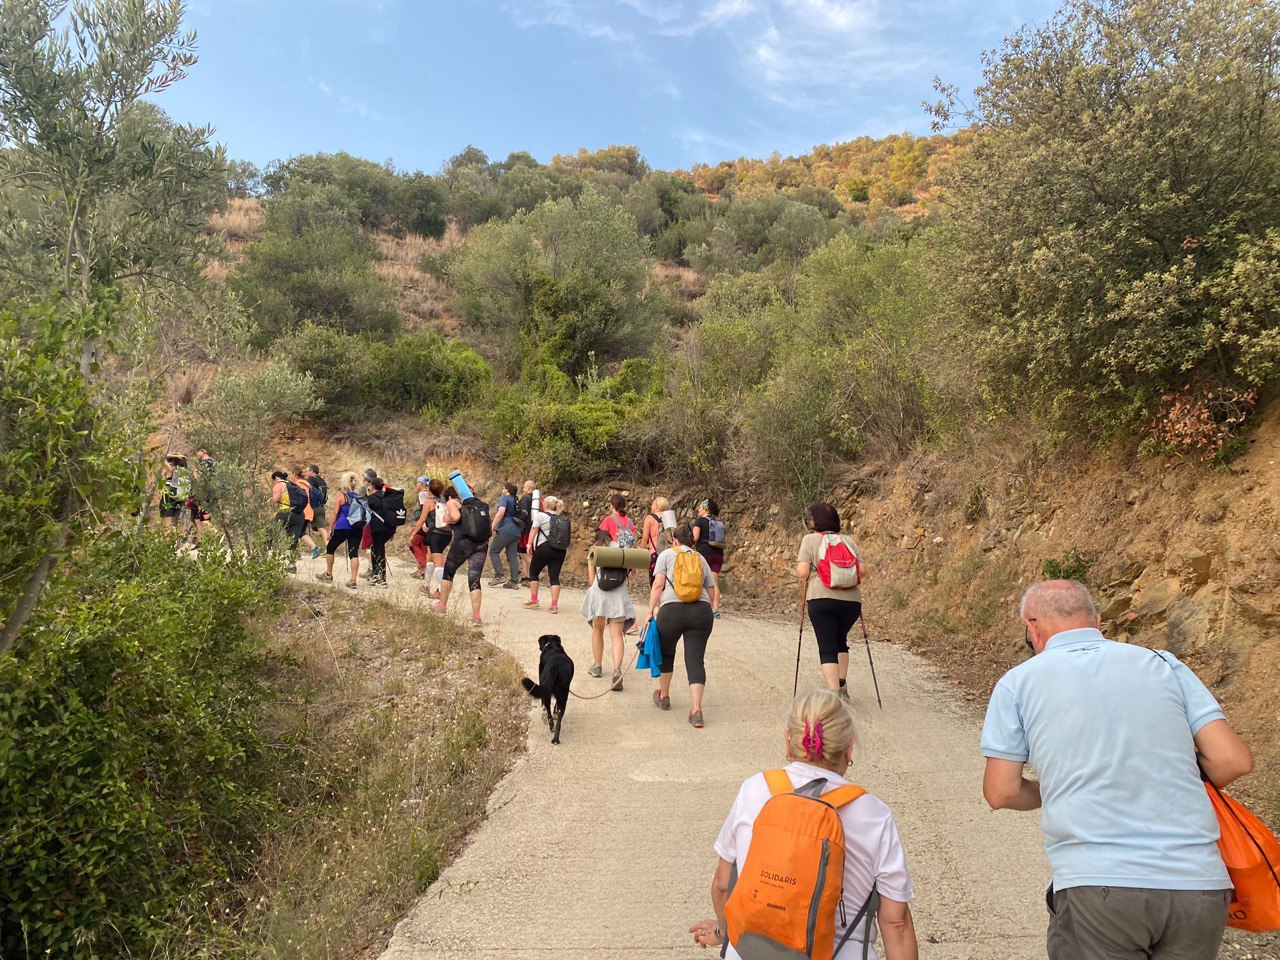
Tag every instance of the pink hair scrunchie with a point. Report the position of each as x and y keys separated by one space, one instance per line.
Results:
x=812 y=741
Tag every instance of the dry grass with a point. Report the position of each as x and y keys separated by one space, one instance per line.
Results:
x=240 y=222
x=422 y=298
x=683 y=282
x=391 y=732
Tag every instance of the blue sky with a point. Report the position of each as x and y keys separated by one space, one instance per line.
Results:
x=417 y=80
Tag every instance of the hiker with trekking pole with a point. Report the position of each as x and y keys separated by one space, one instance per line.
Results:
x=830 y=573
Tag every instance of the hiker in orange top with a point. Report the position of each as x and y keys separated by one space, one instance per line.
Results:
x=820 y=739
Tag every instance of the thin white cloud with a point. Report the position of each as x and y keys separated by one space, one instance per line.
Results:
x=802 y=54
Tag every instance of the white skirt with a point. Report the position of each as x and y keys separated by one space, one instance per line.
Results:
x=611 y=604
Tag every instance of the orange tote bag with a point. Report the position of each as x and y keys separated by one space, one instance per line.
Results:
x=1252 y=855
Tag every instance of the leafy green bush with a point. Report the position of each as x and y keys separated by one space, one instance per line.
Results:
x=412 y=372
x=567 y=282
x=323 y=276
x=127 y=747
x=1071 y=566
x=1108 y=240
x=564 y=431
x=382 y=198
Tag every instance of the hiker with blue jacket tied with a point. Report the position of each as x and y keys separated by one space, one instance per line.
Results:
x=472 y=527
x=1118 y=735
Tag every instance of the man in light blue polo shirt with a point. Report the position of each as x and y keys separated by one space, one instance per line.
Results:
x=1114 y=733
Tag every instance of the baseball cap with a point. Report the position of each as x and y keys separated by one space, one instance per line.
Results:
x=425 y=481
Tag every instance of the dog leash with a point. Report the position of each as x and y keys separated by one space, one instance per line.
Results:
x=610 y=688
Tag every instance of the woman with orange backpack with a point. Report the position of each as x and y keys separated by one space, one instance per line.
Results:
x=836 y=844
x=681 y=600
x=830 y=571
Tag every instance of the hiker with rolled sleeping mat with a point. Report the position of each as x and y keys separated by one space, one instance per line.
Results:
x=472 y=527
x=830 y=573
x=834 y=847
x=608 y=605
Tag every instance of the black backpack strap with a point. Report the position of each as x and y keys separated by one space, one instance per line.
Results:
x=869 y=910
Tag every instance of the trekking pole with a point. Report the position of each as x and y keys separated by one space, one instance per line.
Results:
x=800 y=639
x=867 y=640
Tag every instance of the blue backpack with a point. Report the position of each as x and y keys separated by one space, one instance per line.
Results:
x=358 y=510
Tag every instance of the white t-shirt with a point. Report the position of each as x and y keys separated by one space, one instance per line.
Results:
x=539 y=527
x=873 y=851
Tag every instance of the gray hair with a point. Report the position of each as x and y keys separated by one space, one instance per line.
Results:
x=1059 y=601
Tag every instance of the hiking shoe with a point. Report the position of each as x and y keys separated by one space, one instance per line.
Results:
x=661 y=702
x=417 y=574
x=325 y=577
x=635 y=628
x=524 y=581
x=351 y=584
x=531 y=604
x=715 y=614
x=844 y=693
x=475 y=620
x=553 y=609
x=595 y=670
x=315 y=552
x=380 y=584
x=293 y=568
x=511 y=585
x=616 y=684
x=695 y=719
x=497 y=581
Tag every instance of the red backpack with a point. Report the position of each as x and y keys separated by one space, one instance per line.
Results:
x=838 y=566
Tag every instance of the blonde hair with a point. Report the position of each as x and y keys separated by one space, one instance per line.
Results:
x=349 y=481
x=552 y=504
x=822 y=717
x=660 y=504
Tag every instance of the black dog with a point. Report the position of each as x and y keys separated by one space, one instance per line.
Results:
x=555 y=673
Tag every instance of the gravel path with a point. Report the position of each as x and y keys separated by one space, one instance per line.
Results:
x=601 y=847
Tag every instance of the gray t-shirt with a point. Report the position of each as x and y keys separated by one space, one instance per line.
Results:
x=666 y=568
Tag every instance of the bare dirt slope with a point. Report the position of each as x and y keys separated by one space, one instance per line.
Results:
x=602 y=847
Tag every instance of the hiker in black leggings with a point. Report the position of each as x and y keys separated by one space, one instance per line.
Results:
x=832 y=612
x=677 y=620
x=380 y=531
x=462 y=551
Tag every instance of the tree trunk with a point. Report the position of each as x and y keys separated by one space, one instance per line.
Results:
x=30 y=598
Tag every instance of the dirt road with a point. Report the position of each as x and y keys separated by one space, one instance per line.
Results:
x=601 y=847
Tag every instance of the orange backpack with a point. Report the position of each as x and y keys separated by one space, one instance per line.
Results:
x=785 y=900
x=1252 y=856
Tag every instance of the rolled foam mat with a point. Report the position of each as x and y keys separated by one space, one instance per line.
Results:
x=612 y=558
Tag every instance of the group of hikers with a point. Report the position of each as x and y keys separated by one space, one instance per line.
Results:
x=1120 y=736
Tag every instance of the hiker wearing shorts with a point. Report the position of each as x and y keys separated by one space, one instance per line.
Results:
x=653 y=536
x=611 y=609
x=677 y=620
x=319 y=520
x=1119 y=736
x=463 y=552
x=525 y=506
x=832 y=612
x=292 y=521
x=819 y=741
x=344 y=532
x=544 y=556
x=439 y=539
